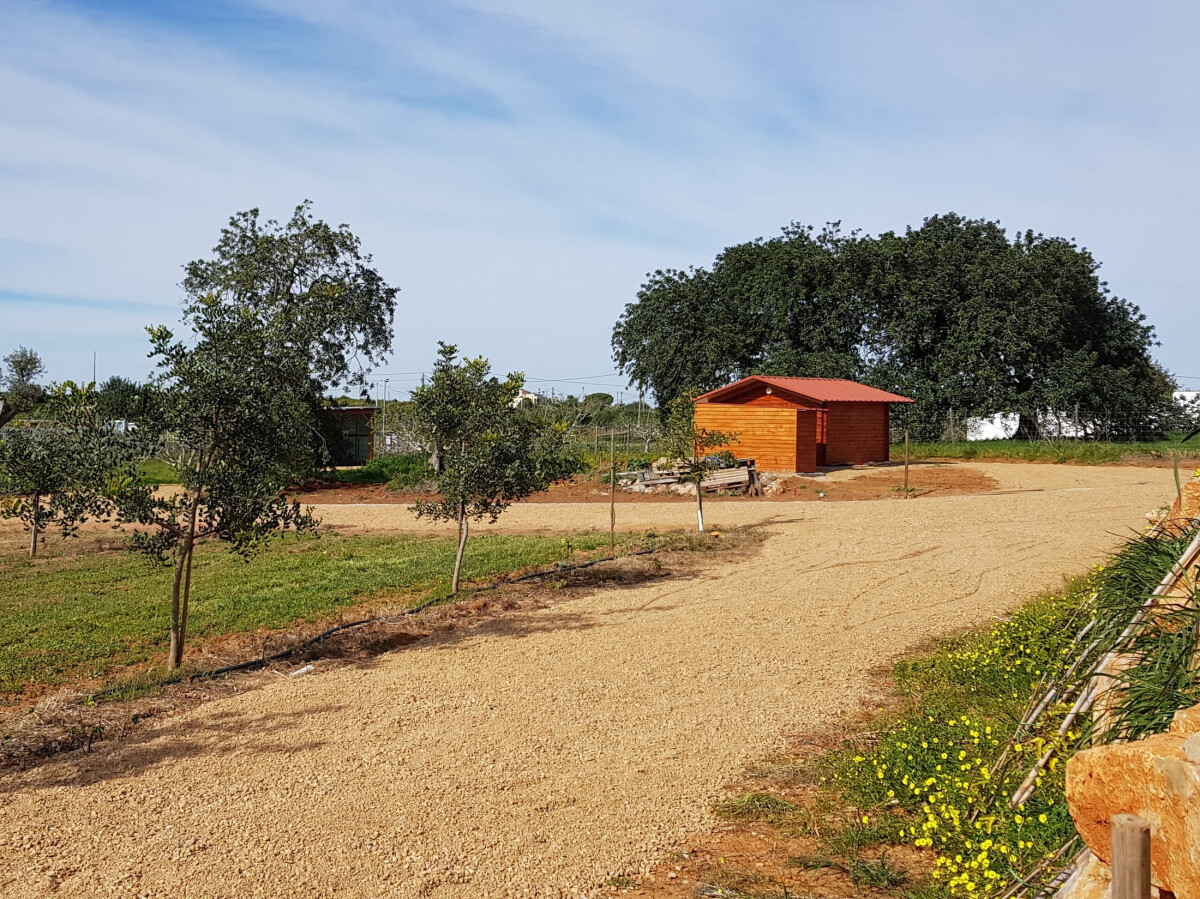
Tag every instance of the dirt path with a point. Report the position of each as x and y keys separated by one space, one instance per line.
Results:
x=545 y=752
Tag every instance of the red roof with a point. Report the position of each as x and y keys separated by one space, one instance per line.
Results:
x=823 y=390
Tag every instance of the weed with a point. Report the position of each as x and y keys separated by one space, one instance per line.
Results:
x=622 y=882
x=756 y=807
x=880 y=874
x=812 y=862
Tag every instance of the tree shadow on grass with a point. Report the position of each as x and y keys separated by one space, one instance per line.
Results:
x=219 y=733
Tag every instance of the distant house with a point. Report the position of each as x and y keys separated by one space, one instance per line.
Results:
x=526 y=396
x=354 y=425
x=800 y=424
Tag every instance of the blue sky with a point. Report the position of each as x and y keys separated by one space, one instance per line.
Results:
x=517 y=167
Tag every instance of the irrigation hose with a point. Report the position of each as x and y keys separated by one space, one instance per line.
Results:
x=324 y=635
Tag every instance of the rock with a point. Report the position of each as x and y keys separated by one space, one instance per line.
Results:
x=1157 y=778
x=638 y=488
x=685 y=489
x=1091 y=881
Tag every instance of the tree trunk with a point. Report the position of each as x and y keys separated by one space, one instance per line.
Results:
x=1027 y=427
x=33 y=525
x=700 y=506
x=435 y=459
x=181 y=587
x=463 y=527
x=175 y=654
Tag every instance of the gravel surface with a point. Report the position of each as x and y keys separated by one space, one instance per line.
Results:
x=544 y=752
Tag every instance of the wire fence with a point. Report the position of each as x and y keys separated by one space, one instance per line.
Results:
x=1077 y=424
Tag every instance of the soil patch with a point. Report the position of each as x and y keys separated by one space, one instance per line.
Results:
x=835 y=485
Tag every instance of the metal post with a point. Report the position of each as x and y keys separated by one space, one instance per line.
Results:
x=1130 y=857
x=385 y=398
x=612 y=493
x=906 y=463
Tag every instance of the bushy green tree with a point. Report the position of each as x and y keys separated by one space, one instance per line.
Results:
x=66 y=469
x=491 y=453
x=955 y=313
x=314 y=288
x=236 y=427
x=121 y=399
x=20 y=392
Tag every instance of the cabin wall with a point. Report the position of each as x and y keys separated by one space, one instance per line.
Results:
x=856 y=433
x=777 y=439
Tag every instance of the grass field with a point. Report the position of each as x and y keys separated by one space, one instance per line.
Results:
x=1079 y=452
x=67 y=618
x=157 y=471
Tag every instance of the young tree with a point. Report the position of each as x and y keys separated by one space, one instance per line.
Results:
x=697 y=450
x=65 y=470
x=233 y=404
x=19 y=390
x=492 y=454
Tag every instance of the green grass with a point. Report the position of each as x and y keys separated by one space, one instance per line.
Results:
x=402 y=470
x=156 y=471
x=940 y=774
x=66 y=618
x=1081 y=452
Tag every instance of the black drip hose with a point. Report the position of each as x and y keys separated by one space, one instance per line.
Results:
x=324 y=635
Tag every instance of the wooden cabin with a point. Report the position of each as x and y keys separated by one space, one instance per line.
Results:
x=800 y=424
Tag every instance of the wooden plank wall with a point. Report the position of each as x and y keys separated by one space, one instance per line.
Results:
x=777 y=439
x=857 y=433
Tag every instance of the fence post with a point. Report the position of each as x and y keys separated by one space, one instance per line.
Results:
x=612 y=493
x=1130 y=857
x=906 y=463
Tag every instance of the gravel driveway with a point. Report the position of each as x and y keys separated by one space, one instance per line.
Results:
x=544 y=752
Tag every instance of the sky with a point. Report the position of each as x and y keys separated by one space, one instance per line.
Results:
x=516 y=168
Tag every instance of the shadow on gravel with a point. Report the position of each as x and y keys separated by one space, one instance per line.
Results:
x=222 y=733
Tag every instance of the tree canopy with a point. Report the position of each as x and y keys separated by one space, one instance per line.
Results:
x=955 y=313
x=310 y=286
x=20 y=391
x=232 y=408
x=491 y=452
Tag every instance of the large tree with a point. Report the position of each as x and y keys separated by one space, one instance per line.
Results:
x=315 y=289
x=954 y=313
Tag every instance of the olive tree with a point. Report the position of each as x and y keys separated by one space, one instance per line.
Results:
x=65 y=469
x=491 y=452
x=278 y=316
x=698 y=451
x=238 y=425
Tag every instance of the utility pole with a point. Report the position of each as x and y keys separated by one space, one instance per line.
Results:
x=385 y=399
